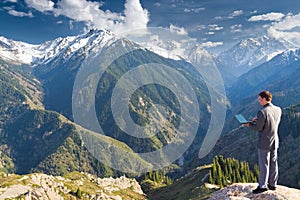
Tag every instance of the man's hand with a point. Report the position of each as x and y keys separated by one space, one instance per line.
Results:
x=254 y=119
x=246 y=124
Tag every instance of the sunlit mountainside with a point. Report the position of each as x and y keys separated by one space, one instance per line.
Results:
x=38 y=132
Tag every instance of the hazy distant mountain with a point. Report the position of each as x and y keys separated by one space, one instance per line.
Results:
x=279 y=75
x=252 y=52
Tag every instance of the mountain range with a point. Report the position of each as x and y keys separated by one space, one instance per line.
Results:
x=46 y=84
x=252 y=52
x=38 y=132
x=23 y=53
x=278 y=75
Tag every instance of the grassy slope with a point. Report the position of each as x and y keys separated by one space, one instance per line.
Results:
x=191 y=186
x=34 y=139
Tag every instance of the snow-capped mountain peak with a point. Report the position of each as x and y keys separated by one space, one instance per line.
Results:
x=252 y=52
x=16 y=51
x=244 y=56
x=169 y=45
x=69 y=45
x=24 y=53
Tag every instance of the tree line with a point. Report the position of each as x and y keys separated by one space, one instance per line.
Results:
x=226 y=171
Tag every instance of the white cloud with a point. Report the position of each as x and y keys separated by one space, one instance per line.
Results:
x=236 y=13
x=287 y=29
x=210 y=33
x=80 y=10
x=218 y=18
x=236 y=28
x=200 y=27
x=41 y=5
x=215 y=27
x=134 y=17
x=293 y=37
x=210 y=44
x=231 y=15
x=157 y=4
x=19 y=14
x=12 y=11
x=290 y=22
x=254 y=12
x=11 y=1
x=195 y=10
x=273 y=16
x=178 y=30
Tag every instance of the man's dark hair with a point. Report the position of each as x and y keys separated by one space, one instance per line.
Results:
x=266 y=94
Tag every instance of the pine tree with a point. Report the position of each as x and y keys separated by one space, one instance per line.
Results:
x=256 y=170
x=211 y=178
x=220 y=175
x=215 y=172
x=79 y=193
x=229 y=170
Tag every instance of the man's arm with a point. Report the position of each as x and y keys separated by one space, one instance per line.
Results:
x=260 y=122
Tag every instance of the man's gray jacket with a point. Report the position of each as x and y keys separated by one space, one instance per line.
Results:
x=267 y=123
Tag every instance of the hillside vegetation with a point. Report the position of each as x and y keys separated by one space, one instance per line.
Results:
x=36 y=140
x=226 y=171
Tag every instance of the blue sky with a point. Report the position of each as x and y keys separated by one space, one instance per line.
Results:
x=216 y=24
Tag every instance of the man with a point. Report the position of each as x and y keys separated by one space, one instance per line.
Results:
x=266 y=123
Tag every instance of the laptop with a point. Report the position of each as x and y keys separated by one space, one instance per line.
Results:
x=242 y=119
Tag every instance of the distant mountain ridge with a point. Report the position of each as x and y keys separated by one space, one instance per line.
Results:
x=24 y=53
x=279 y=75
x=250 y=53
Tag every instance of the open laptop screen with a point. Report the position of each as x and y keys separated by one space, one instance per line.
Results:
x=242 y=119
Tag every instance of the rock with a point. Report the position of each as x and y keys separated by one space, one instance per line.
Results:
x=115 y=184
x=14 y=191
x=46 y=187
x=243 y=191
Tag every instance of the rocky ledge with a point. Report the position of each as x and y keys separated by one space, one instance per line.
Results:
x=243 y=191
x=72 y=186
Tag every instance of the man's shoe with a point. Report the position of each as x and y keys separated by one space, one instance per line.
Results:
x=271 y=187
x=259 y=190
